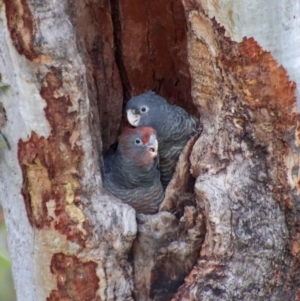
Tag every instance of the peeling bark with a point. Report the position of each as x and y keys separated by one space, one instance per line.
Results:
x=247 y=107
x=74 y=233
x=75 y=280
x=20 y=24
x=228 y=228
x=50 y=166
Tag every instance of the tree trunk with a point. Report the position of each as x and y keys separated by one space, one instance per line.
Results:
x=228 y=228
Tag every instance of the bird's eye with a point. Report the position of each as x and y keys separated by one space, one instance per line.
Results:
x=144 y=109
x=138 y=141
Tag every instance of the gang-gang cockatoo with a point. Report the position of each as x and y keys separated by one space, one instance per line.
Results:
x=174 y=127
x=131 y=173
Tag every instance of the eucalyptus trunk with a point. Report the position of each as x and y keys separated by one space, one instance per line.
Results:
x=228 y=228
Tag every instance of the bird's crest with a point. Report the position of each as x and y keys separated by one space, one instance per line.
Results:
x=145 y=132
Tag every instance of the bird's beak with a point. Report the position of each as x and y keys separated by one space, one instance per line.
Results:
x=152 y=146
x=133 y=118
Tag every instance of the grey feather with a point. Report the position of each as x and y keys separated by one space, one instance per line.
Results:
x=136 y=185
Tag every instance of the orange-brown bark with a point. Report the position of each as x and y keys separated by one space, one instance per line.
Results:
x=75 y=280
x=21 y=26
x=51 y=167
x=231 y=214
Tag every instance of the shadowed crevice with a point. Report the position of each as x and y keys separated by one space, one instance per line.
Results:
x=115 y=16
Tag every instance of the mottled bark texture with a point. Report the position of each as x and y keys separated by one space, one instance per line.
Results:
x=74 y=242
x=246 y=169
x=228 y=228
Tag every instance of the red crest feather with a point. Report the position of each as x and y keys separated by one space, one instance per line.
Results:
x=145 y=131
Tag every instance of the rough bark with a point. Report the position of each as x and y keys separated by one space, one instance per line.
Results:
x=68 y=239
x=228 y=228
x=243 y=163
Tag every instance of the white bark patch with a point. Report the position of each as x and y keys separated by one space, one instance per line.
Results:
x=46 y=243
x=32 y=250
x=25 y=113
x=22 y=100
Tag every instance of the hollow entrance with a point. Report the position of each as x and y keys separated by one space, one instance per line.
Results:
x=131 y=47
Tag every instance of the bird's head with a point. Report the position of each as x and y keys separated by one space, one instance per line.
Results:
x=144 y=109
x=139 y=144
